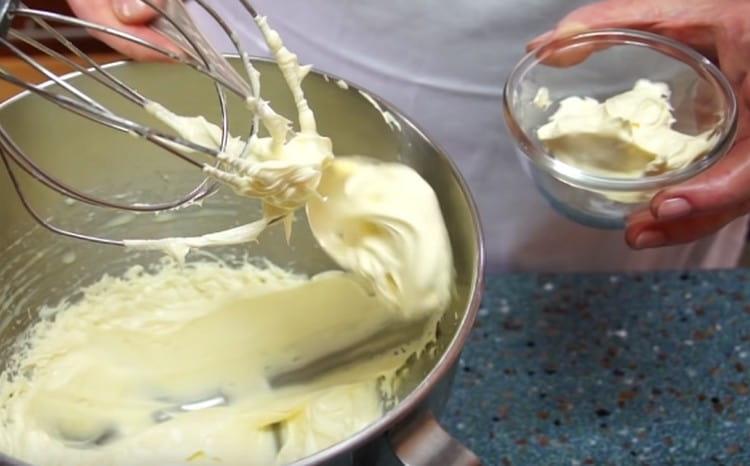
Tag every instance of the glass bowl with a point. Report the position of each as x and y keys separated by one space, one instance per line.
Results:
x=615 y=59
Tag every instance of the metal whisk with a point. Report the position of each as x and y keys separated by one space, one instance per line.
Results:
x=173 y=22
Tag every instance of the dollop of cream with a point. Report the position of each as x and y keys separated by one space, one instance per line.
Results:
x=395 y=238
x=629 y=135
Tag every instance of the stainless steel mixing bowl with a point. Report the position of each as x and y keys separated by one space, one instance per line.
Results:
x=38 y=268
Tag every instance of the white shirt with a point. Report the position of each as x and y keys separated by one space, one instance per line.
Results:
x=434 y=60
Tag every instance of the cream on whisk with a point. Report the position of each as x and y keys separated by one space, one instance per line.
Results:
x=380 y=221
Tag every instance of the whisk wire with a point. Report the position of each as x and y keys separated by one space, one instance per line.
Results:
x=188 y=59
x=114 y=121
x=95 y=71
x=107 y=118
x=252 y=74
x=44 y=223
x=173 y=21
x=50 y=75
x=33 y=169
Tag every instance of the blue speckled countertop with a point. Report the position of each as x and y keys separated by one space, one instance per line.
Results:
x=643 y=369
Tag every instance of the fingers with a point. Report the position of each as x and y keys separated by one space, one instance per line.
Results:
x=103 y=12
x=568 y=56
x=135 y=11
x=563 y=29
x=644 y=231
x=594 y=16
x=688 y=22
x=733 y=52
x=697 y=208
x=638 y=14
x=724 y=187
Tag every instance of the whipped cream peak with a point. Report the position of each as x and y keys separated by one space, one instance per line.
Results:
x=293 y=74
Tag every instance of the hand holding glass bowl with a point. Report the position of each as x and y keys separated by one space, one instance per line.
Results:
x=702 y=204
x=601 y=64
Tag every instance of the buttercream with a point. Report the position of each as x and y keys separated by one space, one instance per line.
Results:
x=629 y=135
x=99 y=381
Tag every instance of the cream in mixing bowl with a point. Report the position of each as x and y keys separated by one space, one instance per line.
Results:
x=101 y=381
x=629 y=135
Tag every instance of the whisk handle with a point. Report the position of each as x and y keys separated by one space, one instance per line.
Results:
x=6 y=14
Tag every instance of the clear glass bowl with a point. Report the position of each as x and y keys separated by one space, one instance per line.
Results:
x=702 y=98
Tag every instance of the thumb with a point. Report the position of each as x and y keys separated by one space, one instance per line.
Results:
x=638 y=14
x=135 y=11
x=725 y=186
x=689 y=22
x=645 y=232
x=634 y=14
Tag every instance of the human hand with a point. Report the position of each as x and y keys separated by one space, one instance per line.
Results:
x=130 y=16
x=719 y=29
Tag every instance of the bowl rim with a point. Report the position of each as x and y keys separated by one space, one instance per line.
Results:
x=669 y=47
x=447 y=361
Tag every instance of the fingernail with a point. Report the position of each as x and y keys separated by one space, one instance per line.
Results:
x=673 y=208
x=539 y=40
x=562 y=30
x=130 y=9
x=570 y=28
x=650 y=239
